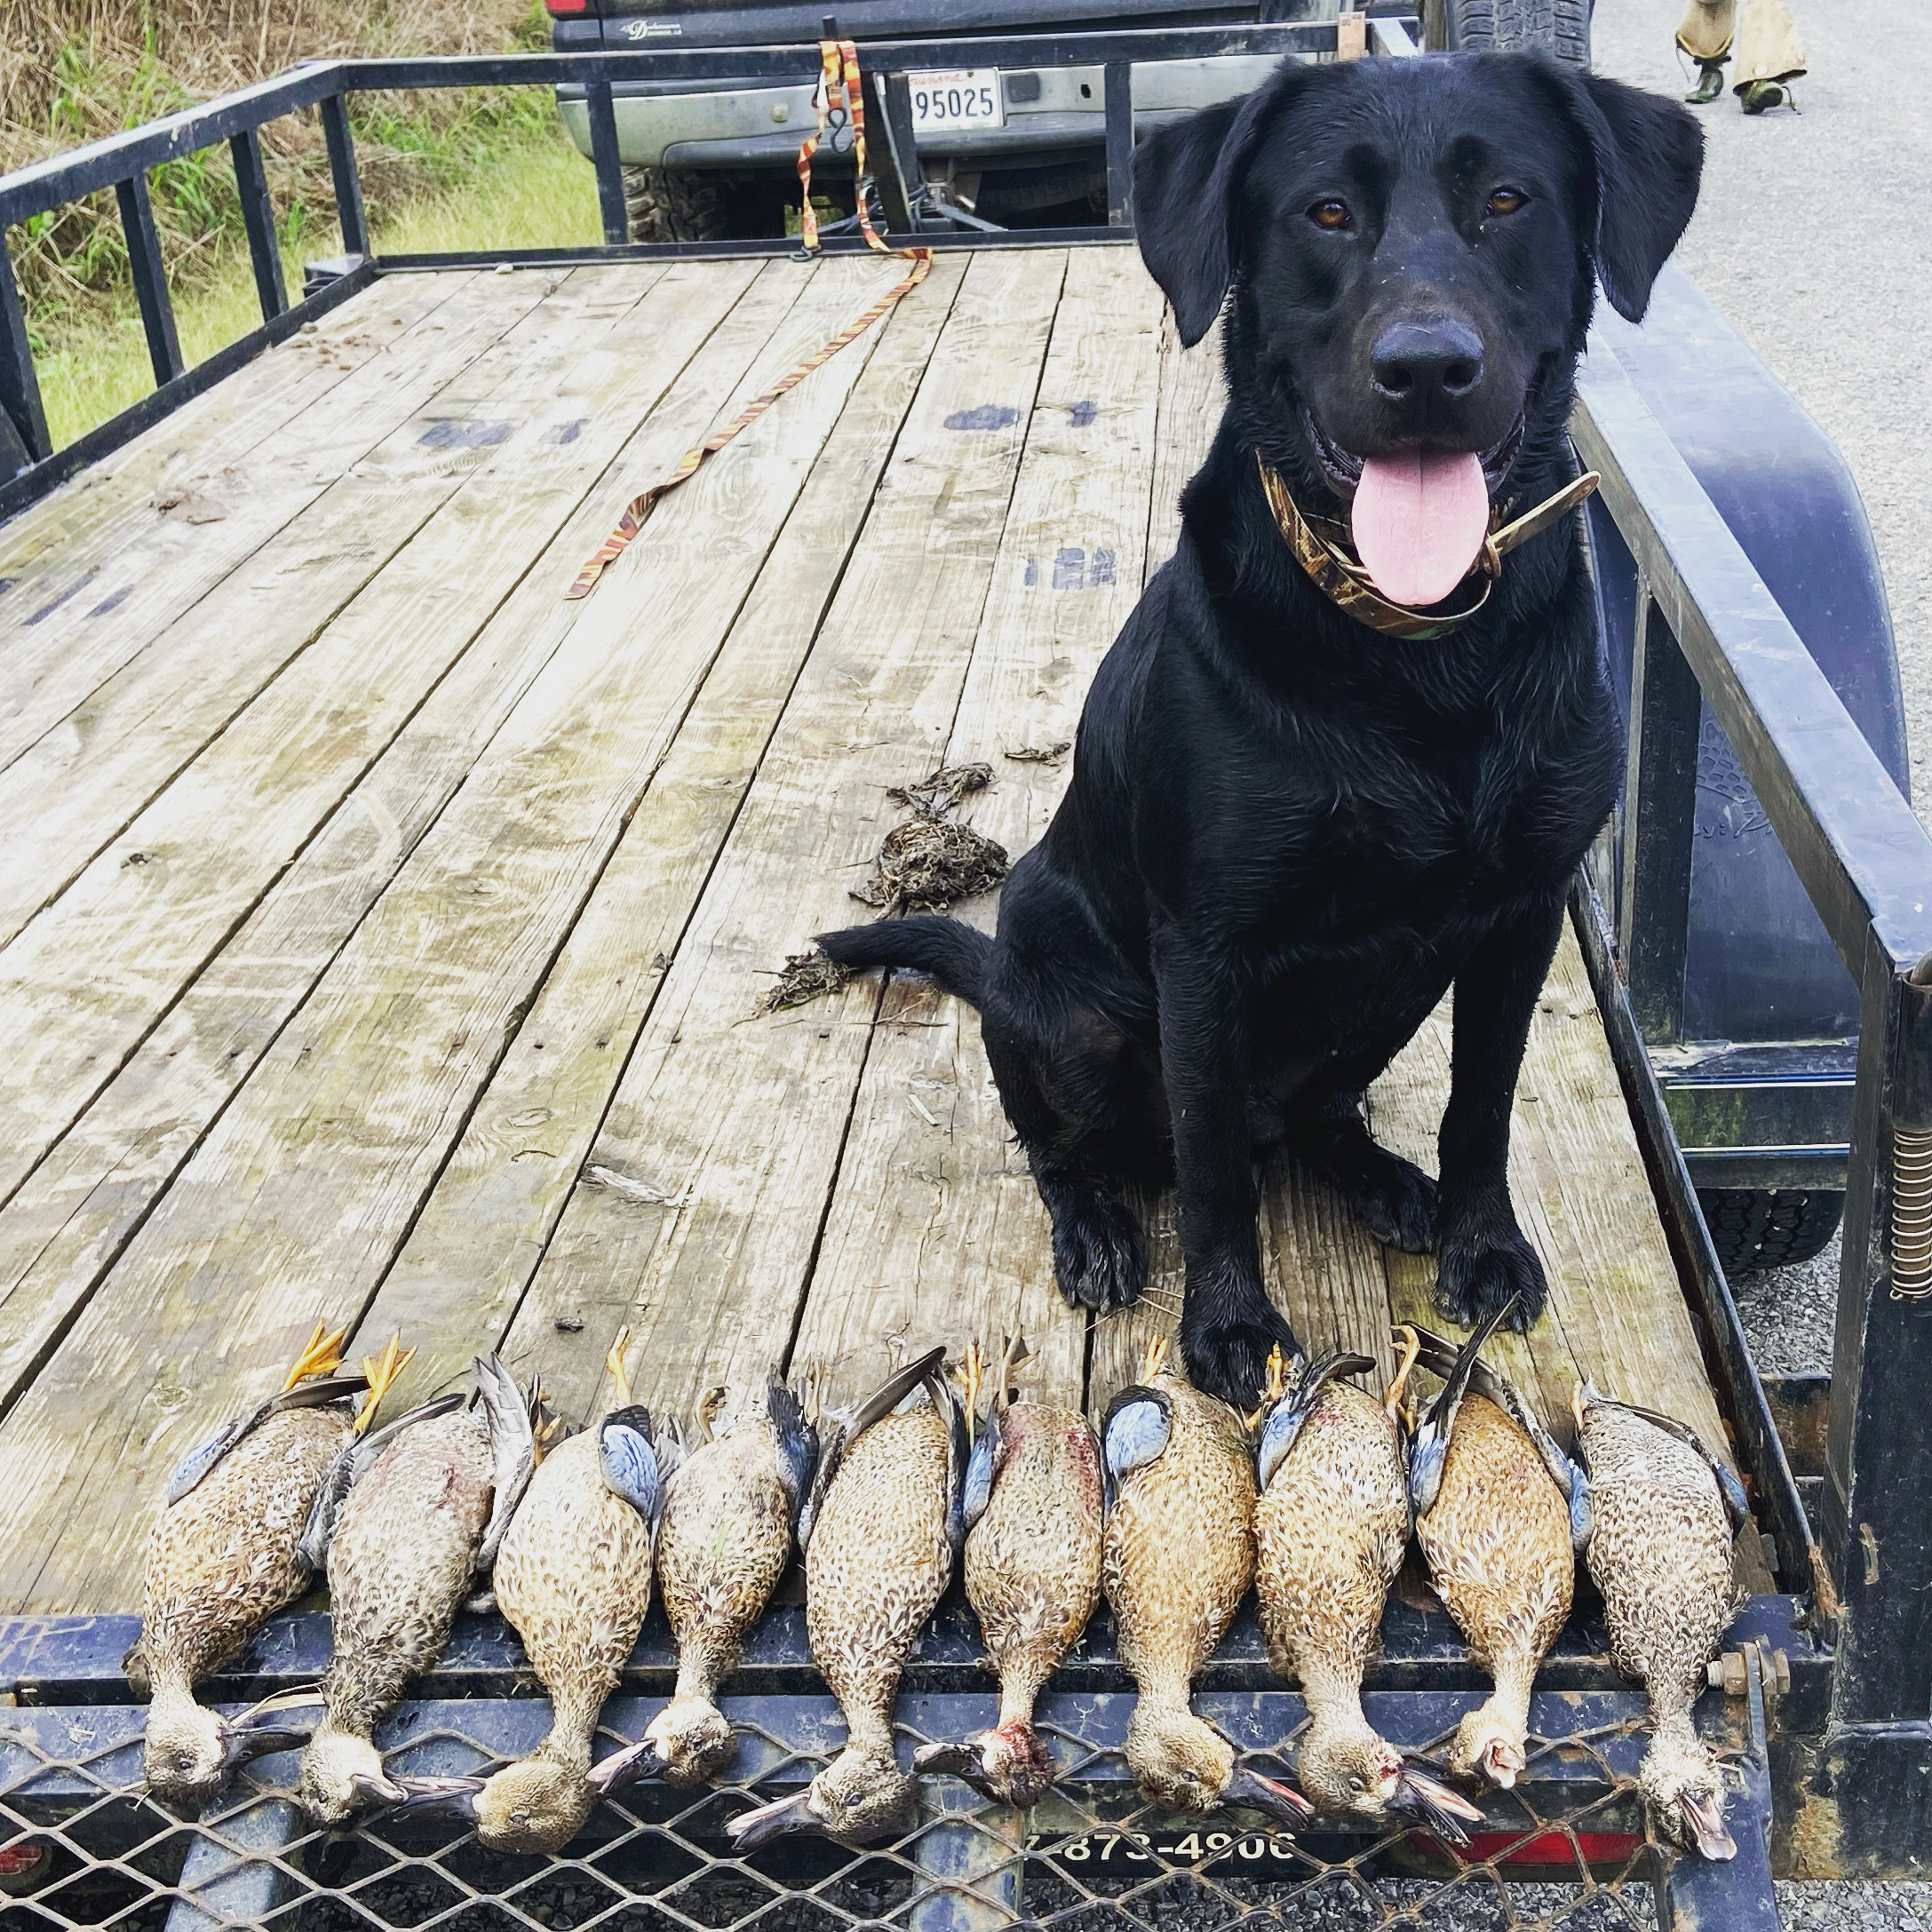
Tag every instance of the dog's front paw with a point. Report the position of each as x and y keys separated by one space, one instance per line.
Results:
x=1100 y=1256
x=1396 y=1203
x=1475 y=1278
x=1230 y=1359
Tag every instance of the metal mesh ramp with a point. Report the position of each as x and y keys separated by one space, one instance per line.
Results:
x=82 y=1846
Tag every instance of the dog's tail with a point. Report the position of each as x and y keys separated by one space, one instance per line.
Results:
x=951 y=952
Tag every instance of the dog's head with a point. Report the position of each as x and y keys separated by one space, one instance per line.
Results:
x=1413 y=247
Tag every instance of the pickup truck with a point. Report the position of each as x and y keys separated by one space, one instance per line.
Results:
x=1014 y=148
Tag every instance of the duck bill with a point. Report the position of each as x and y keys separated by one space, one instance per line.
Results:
x=624 y=1769
x=435 y=1798
x=766 y=1822
x=1435 y=1806
x=954 y=1761
x=1258 y=1793
x=241 y=1746
x=252 y=1735
x=1706 y=1827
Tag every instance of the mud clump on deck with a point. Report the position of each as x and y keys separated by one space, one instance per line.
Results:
x=804 y=975
x=927 y=863
x=924 y=865
x=930 y=862
x=941 y=791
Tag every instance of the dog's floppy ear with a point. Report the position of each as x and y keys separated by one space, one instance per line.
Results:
x=1187 y=197
x=1647 y=155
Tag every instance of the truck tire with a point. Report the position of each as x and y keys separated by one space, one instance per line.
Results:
x=1559 y=27
x=675 y=205
x=1754 y=1228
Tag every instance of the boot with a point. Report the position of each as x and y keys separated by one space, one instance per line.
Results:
x=1761 y=95
x=1710 y=83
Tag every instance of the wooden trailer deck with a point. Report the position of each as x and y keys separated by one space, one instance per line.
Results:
x=380 y=937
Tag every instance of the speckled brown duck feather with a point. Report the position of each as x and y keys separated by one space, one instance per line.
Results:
x=224 y=1557
x=427 y=1504
x=574 y=1580
x=1177 y=1558
x=881 y=1536
x=1663 y=1519
x=1034 y=1512
x=1332 y=1526
x=1495 y=1526
x=726 y=1535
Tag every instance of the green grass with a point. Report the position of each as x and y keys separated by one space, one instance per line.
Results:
x=516 y=184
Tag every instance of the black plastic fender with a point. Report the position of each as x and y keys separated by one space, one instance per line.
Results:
x=1759 y=966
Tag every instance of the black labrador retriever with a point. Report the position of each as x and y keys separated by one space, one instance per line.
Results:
x=1307 y=799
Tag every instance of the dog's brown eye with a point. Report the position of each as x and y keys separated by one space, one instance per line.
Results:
x=1506 y=200
x=1330 y=215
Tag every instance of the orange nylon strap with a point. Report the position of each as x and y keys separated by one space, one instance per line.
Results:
x=841 y=96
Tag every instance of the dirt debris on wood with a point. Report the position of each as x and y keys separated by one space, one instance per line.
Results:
x=803 y=976
x=941 y=791
x=929 y=863
x=1041 y=754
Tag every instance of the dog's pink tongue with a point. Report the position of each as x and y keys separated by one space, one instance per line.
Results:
x=1419 y=520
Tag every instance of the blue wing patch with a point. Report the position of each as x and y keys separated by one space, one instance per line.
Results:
x=202 y=1457
x=1426 y=1462
x=981 y=1468
x=1278 y=1434
x=629 y=1466
x=1582 y=1510
x=1137 y=1433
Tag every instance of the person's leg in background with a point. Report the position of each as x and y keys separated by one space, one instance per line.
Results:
x=1771 y=54
x=1705 y=33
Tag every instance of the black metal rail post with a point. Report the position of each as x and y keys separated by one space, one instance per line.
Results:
x=350 y=215
x=150 y=278
x=900 y=182
x=1877 y=1764
x=603 y=119
x=259 y=218
x=1119 y=91
x=1660 y=804
x=20 y=387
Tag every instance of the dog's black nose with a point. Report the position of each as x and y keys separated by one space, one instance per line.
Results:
x=1415 y=362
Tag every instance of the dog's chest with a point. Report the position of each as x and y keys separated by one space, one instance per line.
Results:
x=1418 y=841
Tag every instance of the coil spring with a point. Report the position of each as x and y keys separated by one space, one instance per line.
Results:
x=1911 y=1215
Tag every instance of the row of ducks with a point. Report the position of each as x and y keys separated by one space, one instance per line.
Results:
x=1174 y=1511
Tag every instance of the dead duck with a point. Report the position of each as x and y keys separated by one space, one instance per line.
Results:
x=1177 y=1557
x=1662 y=1523
x=731 y=1512
x=1498 y=1509
x=405 y=1534
x=881 y=1530
x=1331 y=1529
x=573 y=1579
x=225 y=1556
x=1034 y=1513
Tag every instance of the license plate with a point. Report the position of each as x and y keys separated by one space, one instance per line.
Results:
x=959 y=98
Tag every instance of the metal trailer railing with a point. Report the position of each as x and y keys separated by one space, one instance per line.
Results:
x=122 y=161
x=1827 y=1700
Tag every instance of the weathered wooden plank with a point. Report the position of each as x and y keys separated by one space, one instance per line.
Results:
x=297 y=603
x=70 y=1217
x=1193 y=394
x=738 y=1120
x=463 y=1271
x=150 y=567
x=936 y=1231
x=82 y=985
x=309 y=1181
x=52 y=545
